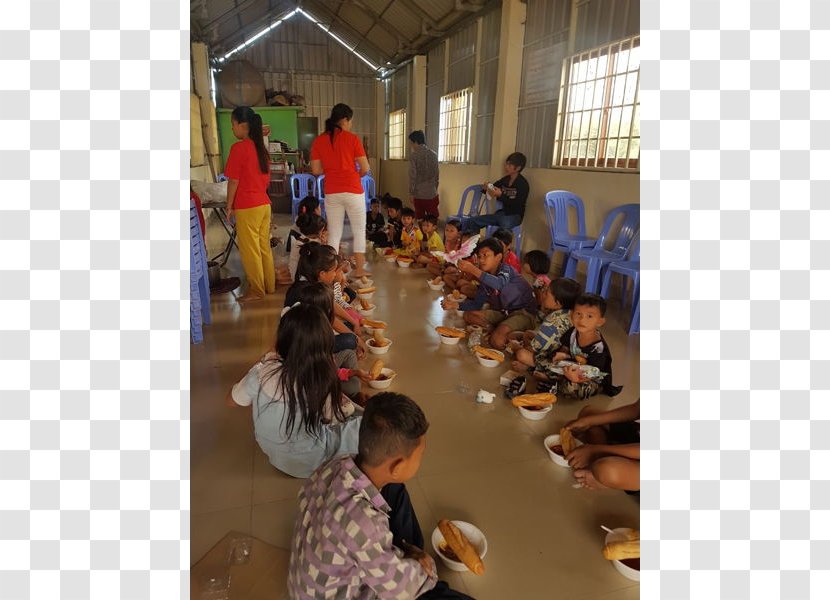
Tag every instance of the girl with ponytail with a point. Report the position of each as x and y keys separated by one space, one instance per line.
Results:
x=248 y=172
x=333 y=154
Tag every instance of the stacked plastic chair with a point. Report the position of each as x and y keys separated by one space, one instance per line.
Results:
x=630 y=267
x=321 y=194
x=199 y=287
x=369 y=189
x=302 y=185
x=558 y=206
x=598 y=257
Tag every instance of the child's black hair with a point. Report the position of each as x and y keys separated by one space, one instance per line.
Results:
x=566 y=291
x=315 y=258
x=454 y=222
x=505 y=236
x=393 y=203
x=517 y=159
x=374 y=201
x=407 y=212
x=538 y=261
x=591 y=300
x=492 y=244
x=307 y=205
x=320 y=295
x=392 y=427
x=430 y=218
x=310 y=224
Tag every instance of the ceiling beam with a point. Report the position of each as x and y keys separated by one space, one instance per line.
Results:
x=317 y=10
x=380 y=20
x=222 y=46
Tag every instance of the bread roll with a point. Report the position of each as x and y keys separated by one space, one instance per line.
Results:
x=374 y=324
x=367 y=290
x=462 y=547
x=488 y=353
x=451 y=332
x=622 y=550
x=377 y=337
x=376 y=369
x=365 y=304
x=537 y=400
x=566 y=438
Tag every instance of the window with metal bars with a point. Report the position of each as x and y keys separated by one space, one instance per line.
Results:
x=454 y=126
x=598 y=122
x=397 y=134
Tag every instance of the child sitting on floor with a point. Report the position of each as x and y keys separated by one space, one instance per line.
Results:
x=452 y=242
x=411 y=235
x=455 y=279
x=374 y=221
x=505 y=236
x=610 y=455
x=357 y=535
x=588 y=367
x=312 y=228
x=432 y=241
x=512 y=306
x=536 y=264
x=301 y=418
x=557 y=302
x=391 y=236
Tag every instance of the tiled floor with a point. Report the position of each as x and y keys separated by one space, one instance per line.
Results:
x=484 y=463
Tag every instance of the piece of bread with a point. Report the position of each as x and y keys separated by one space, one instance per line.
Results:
x=376 y=369
x=374 y=324
x=566 y=438
x=437 y=280
x=405 y=259
x=537 y=400
x=488 y=353
x=461 y=546
x=378 y=339
x=622 y=550
x=367 y=290
x=365 y=304
x=455 y=294
x=450 y=332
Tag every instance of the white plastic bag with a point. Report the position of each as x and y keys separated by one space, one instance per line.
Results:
x=210 y=192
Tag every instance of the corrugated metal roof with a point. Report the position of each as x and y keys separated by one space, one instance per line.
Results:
x=386 y=32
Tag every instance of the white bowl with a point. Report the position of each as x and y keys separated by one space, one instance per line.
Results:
x=458 y=300
x=371 y=330
x=390 y=258
x=405 y=264
x=435 y=287
x=535 y=415
x=449 y=340
x=553 y=440
x=619 y=535
x=366 y=296
x=459 y=312
x=367 y=312
x=472 y=533
x=377 y=349
x=488 y=362
x=379 y=250
x=385 y=383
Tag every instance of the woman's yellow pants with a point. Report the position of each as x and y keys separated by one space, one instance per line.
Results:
x=253 y=233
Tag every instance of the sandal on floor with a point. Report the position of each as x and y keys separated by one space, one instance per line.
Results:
x=516 y=387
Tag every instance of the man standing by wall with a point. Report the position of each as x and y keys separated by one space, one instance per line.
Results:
x=423 y=176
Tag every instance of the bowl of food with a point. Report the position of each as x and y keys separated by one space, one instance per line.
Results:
x=487 y=357
x=365 y=295
x=390 y=258
x=384 y=380
x=535 y=413
x=624 y=542
x=456 y=297
x=554 y=447
x=376 y=347
x=404 y=261
x=473 y=534
x=370 y=326
x=450 y=335
x=368 y=311
x=380 y=251
x=436 y=284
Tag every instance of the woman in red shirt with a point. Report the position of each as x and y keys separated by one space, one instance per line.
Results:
x=248 y=173
x=333 y=154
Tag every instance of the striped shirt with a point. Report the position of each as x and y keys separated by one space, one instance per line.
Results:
x=342 y=546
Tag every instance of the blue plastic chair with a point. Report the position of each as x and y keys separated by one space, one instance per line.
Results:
x=630 y=267
x=302 y=185
x=598 y=257
x=558 y=205
x=369 y=189
x=474 y=196
x=321 y=195
x=199 y=288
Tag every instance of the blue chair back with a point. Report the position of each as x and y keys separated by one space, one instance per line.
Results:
x=629 y=228
x=558 y=205
x=474 y=196
x=369 y=189
x=321 y=195
x=302 y=185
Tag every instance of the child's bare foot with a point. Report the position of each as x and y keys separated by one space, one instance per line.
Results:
x=585 y=478
x=519 y=367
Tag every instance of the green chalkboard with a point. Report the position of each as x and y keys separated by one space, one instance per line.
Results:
x=282 y=119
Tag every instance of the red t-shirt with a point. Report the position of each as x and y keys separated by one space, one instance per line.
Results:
x=243 y=165
x=338 y=161
x=511 y=259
